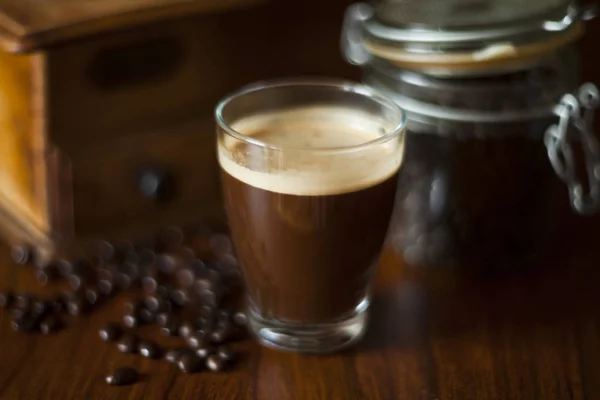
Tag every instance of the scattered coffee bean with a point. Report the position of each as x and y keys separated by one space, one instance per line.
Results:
x=163 y=318
x=51 y=324
x=24 y=301
x=147 y=257
x=173 y=356
x=41 y=307
x=186 y=329
x=185 y=277
x=20 y=254
x=171 y=328
x=64 y=267
x=196 y=340
x=149 y=284
x=166 y=264
x=123 y=281
x=220 y=244
x=128 y=344
x=204 y=351
x=207 y=311
x=178 y=297
x=146 y=316
x=25 y=323
x=110 y=332
x=105 y=287
x=220 y=335
x=214 y=363
x=150 y=349
x=91 y=296
x=75 y=281
x=6 y=299
x=130 y=321
x=153 y=303
x=172 y=237
x=76 y=306
x=18 y=313
x=240 y=319
x=225 y=353
x=132 y=307
x=189 y=363
x=123 y=376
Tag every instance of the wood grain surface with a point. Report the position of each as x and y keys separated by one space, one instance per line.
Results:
x=526 y=336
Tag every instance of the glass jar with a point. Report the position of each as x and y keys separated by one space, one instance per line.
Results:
x=494 y=112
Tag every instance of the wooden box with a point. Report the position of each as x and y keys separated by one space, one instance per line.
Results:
x=106 y=106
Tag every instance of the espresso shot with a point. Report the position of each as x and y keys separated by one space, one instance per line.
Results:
x=309 y=190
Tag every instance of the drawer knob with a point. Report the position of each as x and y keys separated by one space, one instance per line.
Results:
x=156 y=184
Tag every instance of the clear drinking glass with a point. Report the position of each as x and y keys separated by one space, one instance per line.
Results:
x=309 y=172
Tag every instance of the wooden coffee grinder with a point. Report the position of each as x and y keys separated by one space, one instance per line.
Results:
x=106 y=113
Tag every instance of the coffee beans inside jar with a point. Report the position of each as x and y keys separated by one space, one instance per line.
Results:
x=168 y=272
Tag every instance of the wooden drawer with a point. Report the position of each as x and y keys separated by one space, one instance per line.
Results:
x=158 y=178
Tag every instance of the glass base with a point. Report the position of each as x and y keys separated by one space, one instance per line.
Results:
x=313 y=339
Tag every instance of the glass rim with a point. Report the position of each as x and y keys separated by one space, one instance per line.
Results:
x=339 y=84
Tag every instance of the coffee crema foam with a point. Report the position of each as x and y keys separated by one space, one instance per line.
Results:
x=298 y=171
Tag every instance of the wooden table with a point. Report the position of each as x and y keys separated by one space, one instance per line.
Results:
x=531 y=336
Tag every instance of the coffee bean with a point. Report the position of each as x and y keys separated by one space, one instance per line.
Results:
x=147 y=257
x=223 y=316
x=171 y=328
x=196 y=340
x=130 y=321
x=128 y=344
x=105 y=250
x=189 y=363
x=166 y=264
x=186 y=329
x=149 y=284
x=18 y=313
x=146 y=316
x=123 y=376
x=21 y=254
x=163 y=318
x=174 y=355
x=110 y=332
x=178 y=297
x=130 y=269
x=64 y=267
x=153 y=303
x=214 y=363
x=91 y=296
x=51 y=324
x=25 y=323
x=132 y=307
x=201 y=285
x=220 y=335
x=23 y=301
x=105 y=287
x=40 y=307
x=123 y=281
x=76 y=306
x=207 y=311
x=204 y=351
x=47 y=274
x=240 y=319
x=185 y=277
x=6 y=299
x=150 y=349
x=225 y=353
x=75 y=281
x=59 y=303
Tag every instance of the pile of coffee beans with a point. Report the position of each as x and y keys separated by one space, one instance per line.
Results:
x=187 y=284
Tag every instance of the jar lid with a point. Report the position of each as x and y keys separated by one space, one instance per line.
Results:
x=462 y=36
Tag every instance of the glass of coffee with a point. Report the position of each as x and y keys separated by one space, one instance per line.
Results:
x=309 y=171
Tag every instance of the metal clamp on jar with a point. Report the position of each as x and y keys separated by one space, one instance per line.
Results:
x=491 y=92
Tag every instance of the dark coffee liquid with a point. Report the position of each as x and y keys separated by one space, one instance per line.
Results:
x=307 y=258
x=308 y=229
